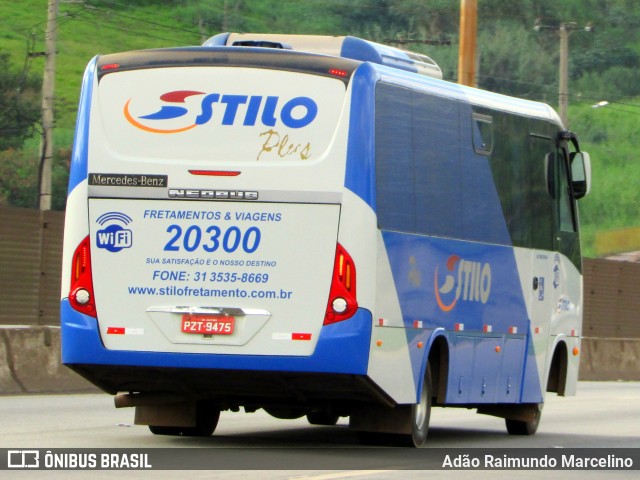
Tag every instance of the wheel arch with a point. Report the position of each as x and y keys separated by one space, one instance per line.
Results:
x=438 y=360
x=557 y=372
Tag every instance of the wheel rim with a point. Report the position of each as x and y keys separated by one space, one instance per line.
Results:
x=421 y=410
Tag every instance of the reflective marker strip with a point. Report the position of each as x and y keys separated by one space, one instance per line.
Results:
x=459 y=327
x=487 y=328
x=124 y=331
x=513 y=329
x=290 y=336
x=300 y=336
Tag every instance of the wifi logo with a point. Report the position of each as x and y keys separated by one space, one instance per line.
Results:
x=114 y=237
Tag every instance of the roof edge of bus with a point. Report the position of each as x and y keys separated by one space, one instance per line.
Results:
x=476 y=97
x=337 y=46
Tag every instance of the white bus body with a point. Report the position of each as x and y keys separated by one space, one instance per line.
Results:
x=323 y=235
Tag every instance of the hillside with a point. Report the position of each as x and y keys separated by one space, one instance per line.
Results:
x=605 y=65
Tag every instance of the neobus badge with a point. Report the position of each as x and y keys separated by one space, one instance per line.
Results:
x=297 y=112
x=212 y=194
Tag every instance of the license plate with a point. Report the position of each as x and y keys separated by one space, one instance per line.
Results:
x=208 y=324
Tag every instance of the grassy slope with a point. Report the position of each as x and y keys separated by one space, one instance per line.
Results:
x=608 y=134
x=82 y=33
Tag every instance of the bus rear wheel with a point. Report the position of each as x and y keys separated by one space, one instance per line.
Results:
x=400 y=426
x=420 y=415
x=322 y=418
x=524 y=427
x=161 y=430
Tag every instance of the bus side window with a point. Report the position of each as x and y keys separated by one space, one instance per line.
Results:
x=565 y=210
x=558 y=189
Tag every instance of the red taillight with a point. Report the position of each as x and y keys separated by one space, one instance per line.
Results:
x=342 y=302
x=81 y=292
x=215 y=173
x=338 y=73
x=110 y=66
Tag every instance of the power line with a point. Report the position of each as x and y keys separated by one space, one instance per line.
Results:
x=139 y=34
x=141 y=20
x=610 y=106
x=87 y=10
x=578 y=97
x=563 y=30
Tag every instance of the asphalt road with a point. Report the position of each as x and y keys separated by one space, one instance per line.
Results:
x=603 y=414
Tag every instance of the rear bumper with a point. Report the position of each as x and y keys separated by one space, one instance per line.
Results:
x=342 y=348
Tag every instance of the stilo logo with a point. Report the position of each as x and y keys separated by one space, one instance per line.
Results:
x=464 y=280
x=249 y=110
x=166 y=112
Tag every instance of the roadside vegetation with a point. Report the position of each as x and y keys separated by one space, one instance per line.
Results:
x=513 y=59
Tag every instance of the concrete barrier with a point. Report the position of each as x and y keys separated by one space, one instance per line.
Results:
x=30 y=361
x=610 y=359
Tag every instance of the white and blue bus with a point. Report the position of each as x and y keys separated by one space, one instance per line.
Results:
x=319 y=227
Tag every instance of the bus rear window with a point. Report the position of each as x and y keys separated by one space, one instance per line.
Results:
x=219 y=115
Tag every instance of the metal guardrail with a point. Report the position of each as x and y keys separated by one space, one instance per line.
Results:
x=31 y=258
x=31 y=263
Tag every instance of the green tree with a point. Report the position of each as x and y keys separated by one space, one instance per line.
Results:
x=512 y=62
x=19 y=178
x=19 y=105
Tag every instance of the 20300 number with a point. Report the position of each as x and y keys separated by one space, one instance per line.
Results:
x=192 y=238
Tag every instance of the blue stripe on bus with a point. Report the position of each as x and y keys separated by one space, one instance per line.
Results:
x=359 y=49
x=532 y=387
x=427 y=271
x=79 y=156
x=466 y=288
x=360 y=169
x=342 y=347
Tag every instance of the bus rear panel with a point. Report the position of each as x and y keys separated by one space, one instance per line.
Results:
x=199 y=185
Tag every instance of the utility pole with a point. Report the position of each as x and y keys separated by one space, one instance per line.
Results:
x=563 y=30
x=225 y=27
x=468 y=36
x=202 y=30
x=563 y=84
x=46 y=144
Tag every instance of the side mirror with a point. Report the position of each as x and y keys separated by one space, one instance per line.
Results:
x=580 y=174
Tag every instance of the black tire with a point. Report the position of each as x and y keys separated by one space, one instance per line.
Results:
x=159 y=430
x=322 y=418
x=420 y=415
x=285 y=413
x=521 y=427
x=207 y=421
